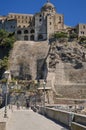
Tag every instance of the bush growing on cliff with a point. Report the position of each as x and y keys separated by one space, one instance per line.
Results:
x=59 y=35
x=6 y=44
x=6 y=39
x=82 y=40
x=73 y=36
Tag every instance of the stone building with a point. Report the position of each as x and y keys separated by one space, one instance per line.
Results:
x=39 y=26
x=81 y=29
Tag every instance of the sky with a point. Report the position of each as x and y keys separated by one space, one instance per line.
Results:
x=74 y=10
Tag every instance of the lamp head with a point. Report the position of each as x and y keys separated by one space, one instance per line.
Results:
x=6 y=74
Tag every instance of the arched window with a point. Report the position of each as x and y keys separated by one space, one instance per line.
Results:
x=19 y=32
x=26 y=38
x=32 y=37
x=32 y=31
x=40 y=37
x=60 y=19
x=25 y=31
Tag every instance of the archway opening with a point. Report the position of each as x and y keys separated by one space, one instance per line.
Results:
x=40 y=37
x=32 y=31
x=32 y=37
x=26 y=38
x=25 y=31
x=19 y=32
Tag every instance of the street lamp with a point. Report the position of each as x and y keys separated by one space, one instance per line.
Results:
x=44 y=85
x=6 y=75
x=36 y=83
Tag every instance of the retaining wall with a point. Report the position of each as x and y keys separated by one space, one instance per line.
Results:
x=65 y=117
x=76 y=126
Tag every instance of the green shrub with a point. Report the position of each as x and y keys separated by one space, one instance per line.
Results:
x=73 y=35
x=59 y=35
x=6 y=44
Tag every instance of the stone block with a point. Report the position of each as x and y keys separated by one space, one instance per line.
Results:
x=2 y=125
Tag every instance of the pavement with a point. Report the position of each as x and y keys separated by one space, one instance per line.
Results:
x=29 y=120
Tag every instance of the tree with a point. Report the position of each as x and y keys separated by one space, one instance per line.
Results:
x=6 y=44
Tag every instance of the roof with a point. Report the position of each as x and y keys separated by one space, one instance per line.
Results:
x=48 y=4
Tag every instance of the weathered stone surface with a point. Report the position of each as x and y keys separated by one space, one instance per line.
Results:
x=24 y=57
x=2 y=125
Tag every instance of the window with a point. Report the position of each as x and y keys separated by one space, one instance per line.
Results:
x=40 y=20
x=50 y=23
x=84 y=26
x=25 y=31
x=59 y=19
x=26 y=38
x=40 y=15
x=19 y=32
x=19 y=26
x=82 y=32
x=32 y=31
x=40 y=37
x=32 y=37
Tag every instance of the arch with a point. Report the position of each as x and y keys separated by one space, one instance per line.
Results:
x=32 y=37
x=19 y=32
x=32 y=31
x=25 y=31
x=40 y=37
x=26 y=38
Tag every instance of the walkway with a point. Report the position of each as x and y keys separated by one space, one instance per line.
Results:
x=29 y=120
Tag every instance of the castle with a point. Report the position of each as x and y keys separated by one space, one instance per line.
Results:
x=37 y=27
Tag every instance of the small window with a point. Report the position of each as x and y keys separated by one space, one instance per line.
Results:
x=19 y=26
x=84 y=26
x=40 y=20
x=50 y=23
x=15 y=17
x=82 y=32
x=19 y=32
x=25 y=31
x=26 y=38
x=32 y=31
x=40 y=15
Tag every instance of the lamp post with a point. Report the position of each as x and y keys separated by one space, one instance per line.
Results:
x=44 y=85
x=6 y=75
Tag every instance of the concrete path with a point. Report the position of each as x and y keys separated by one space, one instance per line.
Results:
x=29 y=120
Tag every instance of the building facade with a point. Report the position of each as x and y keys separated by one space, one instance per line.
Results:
x=37 y=27
x=81 y=30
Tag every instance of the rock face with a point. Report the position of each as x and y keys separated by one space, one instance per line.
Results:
x=27 y=57
x=63 y=65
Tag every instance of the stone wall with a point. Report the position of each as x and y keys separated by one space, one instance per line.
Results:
x=74 y=91
x=76 y=126
x=2 y=125
x=24 y=57
x=72 y=120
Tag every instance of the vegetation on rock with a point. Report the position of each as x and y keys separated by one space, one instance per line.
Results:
x=59 y=35
x=6 y=44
